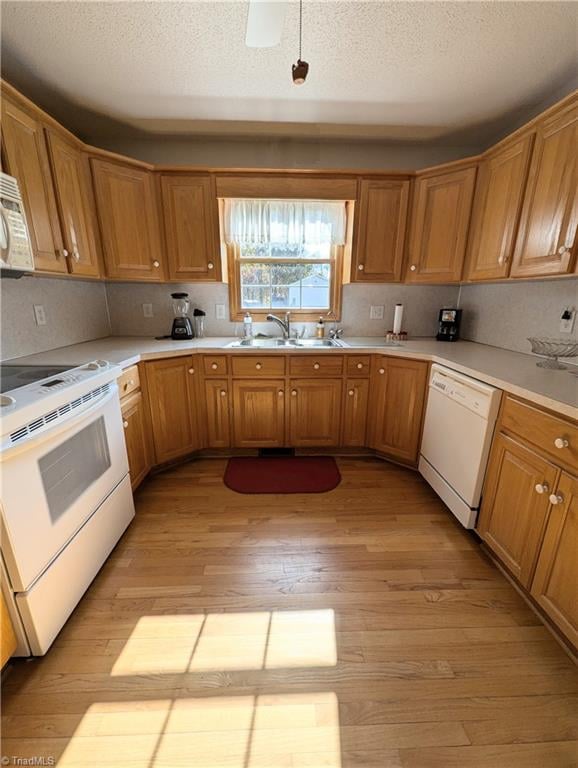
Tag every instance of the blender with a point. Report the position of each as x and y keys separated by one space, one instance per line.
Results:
x=182 y=325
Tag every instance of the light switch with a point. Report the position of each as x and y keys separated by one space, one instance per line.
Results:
x=567 y=319
x=147 y=310
x=220 y=312
x=39 y=314
x=376 y=313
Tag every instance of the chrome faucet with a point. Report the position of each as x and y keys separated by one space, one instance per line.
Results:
x=285 y=325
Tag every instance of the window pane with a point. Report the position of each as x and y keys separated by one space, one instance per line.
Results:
x=285 y=286
x=286 y=251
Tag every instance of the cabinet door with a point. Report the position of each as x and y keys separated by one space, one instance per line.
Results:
x=26 y=158
x=398 y=397
x=7 y=636
x=191 y=227
x=550 y=212
x=136 y=438
x=439 y=230
x=355 y=412
x=513 y=510
x=555 y=585
x=380 y=231
x=259 y=413
x=174 y=417
x=127 y=206
x=71 y=174
x=314 y=412
x=497 y=205
x=218 y=413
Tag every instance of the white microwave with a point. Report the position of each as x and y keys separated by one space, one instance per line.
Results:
x=15 y=246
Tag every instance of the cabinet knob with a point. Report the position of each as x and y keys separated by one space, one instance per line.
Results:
x=413 y=268
x=210 y=265
x=293 y=393
x=223 y=393
x=561 y=442
x=156 y=264
x=382 y=370
x=361 y=267
x=351 y=393
x=359 y=366
x=191 y=370
x=280 y=393
x=214 y=366
x=76 y=254
x=556 y=498
x=125 y=424
x=64 y=252
x=316 y=366
x=258 y=366
x=541 y=488
x=562 y=250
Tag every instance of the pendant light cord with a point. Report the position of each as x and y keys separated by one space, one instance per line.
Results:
x=300 y=26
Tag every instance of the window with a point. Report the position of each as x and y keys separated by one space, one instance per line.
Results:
x=284 y=255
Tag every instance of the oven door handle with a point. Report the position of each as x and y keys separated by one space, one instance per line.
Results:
x=66 y=425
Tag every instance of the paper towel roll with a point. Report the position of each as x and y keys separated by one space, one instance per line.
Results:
x=397 y=318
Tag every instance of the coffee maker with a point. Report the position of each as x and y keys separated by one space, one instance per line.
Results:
x=449 y=325
x=182 y=325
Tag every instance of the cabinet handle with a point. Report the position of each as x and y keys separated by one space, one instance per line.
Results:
x=351 y=393
x=316 y=366
x=413 y=268
x=361 y=267
x=223 y=393
x=156 y=264
x=191 y=370
x=293 y=393
x=541 y=488
x=556 y=498
x=561 y=442
x=382 y=370
x=258 y=366
x=210 y=265
x=214 y=366
x=359 y=366
x=125 y=424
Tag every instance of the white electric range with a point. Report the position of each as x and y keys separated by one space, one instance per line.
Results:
x=65 y=495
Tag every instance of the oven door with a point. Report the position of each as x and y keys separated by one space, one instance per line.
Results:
x=54 y=481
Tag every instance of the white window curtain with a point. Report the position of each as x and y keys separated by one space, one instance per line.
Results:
x=289 y=222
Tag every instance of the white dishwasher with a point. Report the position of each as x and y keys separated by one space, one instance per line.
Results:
x=459 y=423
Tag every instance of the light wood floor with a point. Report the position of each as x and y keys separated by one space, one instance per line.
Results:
x=361 y=627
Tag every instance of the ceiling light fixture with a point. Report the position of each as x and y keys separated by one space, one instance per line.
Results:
x=300 y=70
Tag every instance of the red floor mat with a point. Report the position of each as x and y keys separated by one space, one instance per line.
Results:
x=282 y=474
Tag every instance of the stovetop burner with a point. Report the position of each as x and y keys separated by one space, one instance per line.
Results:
x=15 y=376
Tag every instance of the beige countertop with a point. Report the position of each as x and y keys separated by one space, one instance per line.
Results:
x=511 y=371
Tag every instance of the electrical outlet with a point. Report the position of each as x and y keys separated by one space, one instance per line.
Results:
x=39 y=314
x=376 y=313
x=147 y=310
x=220 y=312
x=567 y=319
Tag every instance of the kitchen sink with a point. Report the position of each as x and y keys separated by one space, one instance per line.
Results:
x=284 y=343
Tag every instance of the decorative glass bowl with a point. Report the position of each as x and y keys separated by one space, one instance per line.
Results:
x=552 y=349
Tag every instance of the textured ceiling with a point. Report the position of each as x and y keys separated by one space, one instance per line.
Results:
x=412 y=70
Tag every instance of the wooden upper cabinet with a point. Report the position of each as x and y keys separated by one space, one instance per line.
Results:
x=71 y=174
x=25 y=157
x=259 y=413
x=498 y=200
x=515 y=505
x=397 y=405
x=127 y=206
x=546 y=237
x=190 y=215
x=380 y=232
x=555 y=585
x=439 y=228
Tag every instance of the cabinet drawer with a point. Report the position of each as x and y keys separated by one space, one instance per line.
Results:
x=551 y=435
x=313 y=365
x=272 y=365
x=128 y=381
x=215 y=365
x=358 y=365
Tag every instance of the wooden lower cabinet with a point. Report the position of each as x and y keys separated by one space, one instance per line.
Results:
x=397 y=405
x=258 y=413
x=217 y=404
x=7 y=636
x=174 y=409
x=514 y=511
x=314 y=412
x=136 y=438
x=354 y=421
x=555 y=584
